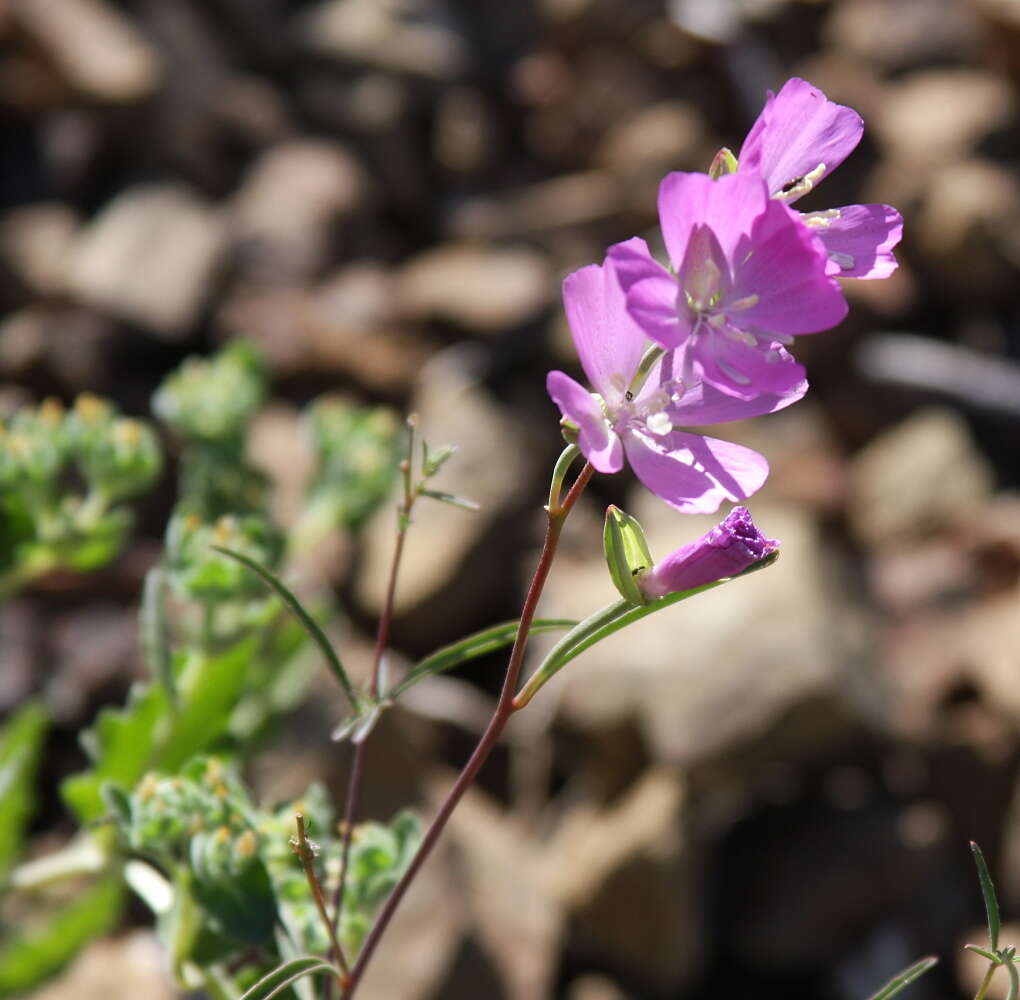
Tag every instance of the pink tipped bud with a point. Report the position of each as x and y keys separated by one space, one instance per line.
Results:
x=728 y=549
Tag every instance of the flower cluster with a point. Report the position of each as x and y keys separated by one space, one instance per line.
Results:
x=703 y=339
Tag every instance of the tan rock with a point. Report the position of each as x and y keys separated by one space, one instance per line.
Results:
x=487 y=289
x=670 y=135
x=149 y=257
x=35 y=241
x=95 y=48
x=916 y=477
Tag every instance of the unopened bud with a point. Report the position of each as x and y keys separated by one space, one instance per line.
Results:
x=627 y=553
x=724 y=162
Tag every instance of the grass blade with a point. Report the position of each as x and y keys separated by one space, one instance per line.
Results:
x=310 y=624
x=905 y=978
x=281 y=977
x=988 y=891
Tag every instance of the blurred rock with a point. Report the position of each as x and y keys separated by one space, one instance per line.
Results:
x=400 y=35
x=915 y=478
x=512 y=916
x=23 y=339
x=465 y=131
x=19 y=627
x=594 y=987
x=1001 y=23
x=567 y=200
x=489 y=467
x=122 y=968
x=895 y=34
x=289 y=199
x=489 y=290
x=670 y=135
x=683 y=674
x=967 y=228
x=353 y=328
x=35 y=242
x=150 y=257
x=95 y=48
x=626 y=878
x=278 y=445
x=938 y=116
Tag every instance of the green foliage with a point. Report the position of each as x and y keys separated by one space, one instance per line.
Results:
x=20 y=746
x=903 y=979
x=34 y=955
x=287 y=974
x=213 y=399
x=44 y=522
x=357 y=452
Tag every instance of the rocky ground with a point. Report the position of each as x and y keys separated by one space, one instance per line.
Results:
x=768 y=792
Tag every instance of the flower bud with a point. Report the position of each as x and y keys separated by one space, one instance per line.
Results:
x=627 y=553
x=724 y=162
x=728 y=549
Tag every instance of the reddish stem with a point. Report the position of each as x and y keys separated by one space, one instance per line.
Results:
x=504 y=709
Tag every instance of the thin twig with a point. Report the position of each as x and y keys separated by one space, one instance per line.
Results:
x=986 y=982
x=411 y=494
x=306 y=856
x=503 y=711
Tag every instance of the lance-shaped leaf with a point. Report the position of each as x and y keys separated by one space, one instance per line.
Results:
x=605 y=623
x=905 y=978
x=478 y=644
x=155 y=642
x=310 y=624
x=988 y=892
x=281 y=977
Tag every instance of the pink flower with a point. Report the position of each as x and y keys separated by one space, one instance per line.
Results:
x=693 y=473
x=801 y=137
x=746 y=274
x=728 y=549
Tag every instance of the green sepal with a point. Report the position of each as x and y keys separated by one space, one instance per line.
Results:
x=627 y=553
x=723 y=163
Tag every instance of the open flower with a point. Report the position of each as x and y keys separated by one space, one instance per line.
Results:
x=746 y=275
x=800 y=137
x=729 y=548
x=692 y=472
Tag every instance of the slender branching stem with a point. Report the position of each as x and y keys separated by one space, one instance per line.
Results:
x=501 y=715
x=411 y=494
x=307 y=858
x=986 y=982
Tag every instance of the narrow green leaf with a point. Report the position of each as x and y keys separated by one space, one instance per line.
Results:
x=611 y=619
x=905 y=978
x=29 y=958
x=473 y=646
x=20 y=746
x=155 y=641
x=984 y=953
x=310 y=624
x=452 y=499
x=282 y=976
x=988 y=891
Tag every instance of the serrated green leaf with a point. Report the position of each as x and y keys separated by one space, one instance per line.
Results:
x=988 y=892
x=905 y=978
x=282 y=976
x=452 y=499
x=32 y=957
x=473 y=646
x=310 y=624
x=20 y=745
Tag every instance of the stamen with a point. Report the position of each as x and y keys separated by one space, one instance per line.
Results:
x=800 y=185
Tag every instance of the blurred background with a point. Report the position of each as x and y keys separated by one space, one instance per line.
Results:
x=766 y=792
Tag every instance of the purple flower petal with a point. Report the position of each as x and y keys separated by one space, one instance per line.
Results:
x=744 y=370
x=650 y=294
x=860 y=238
x=785 y=271
x=702 y=403
x=607 y=340
x=729 y=548
x=599 y=443
x=727 y=206
x=798 y=132
x=693 y=473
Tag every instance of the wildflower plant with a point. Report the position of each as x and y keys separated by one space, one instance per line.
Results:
x=254 y=899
